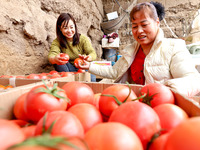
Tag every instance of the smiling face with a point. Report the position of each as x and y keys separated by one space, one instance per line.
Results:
x=68 y=29
x=144 y=28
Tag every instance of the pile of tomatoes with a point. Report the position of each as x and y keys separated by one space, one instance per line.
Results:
x=3 y=87
x=51 y=75
x=70 y=117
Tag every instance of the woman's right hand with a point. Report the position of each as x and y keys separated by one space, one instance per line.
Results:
x=58 y=60
x=84 y=66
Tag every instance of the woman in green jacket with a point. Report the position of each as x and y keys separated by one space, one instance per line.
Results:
x=71 y=42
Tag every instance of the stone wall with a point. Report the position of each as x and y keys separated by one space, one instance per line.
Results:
x=27 y=29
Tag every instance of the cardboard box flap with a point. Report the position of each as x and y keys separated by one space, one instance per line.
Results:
x=191 y=106
x=8 y=99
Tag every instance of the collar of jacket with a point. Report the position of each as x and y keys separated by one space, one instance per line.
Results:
x=130 y=51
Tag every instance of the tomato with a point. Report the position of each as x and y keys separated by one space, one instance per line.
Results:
x=88 y=115
x=9 y=87
x=19 y=122
x=66 y=124
x=53 y=72
x=78 y=92
x=20 y=77
x=96 y=99
x=141 y=118
x=170 y=116
x=159 y=142
x=78 y=61
x=46 y=142
x=18 y=109
x=43 y=76
x=81 y=71
x=185 y=136
x=6 y=76
x=55 y=76
x=29 y=131
x=43 y=98
x=157 y=94
x=112 y=136
x=108 y=104
x=2 y=87
x=10 y=134
x=33 y=76
x=64 y=57
x=31 y=147
x=66 y=74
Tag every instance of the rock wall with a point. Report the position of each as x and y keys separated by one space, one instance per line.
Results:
x=27 y=29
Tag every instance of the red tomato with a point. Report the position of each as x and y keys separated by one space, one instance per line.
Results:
x=112 y=136
x=19 y=122
x=43 y=76
x=185 y=136
x=66 y=74
x=20 y=77
x=141 y=118
x=66 y=124
x=159 y=142
x=18 y=109
x=29 y=131
x=51 y=143
x=108 y=104
x=40 y=100
x=88 y=115
x=157 y=94
x=81 y=71
x=33 y=76
x=55 y=76
x=10 y=134
x=31 y=147
x=78 y=61
x=78 y=92
x=170 y=116
x=5 y=76
x=64 y=57
x=53 y=72
x=96 y=99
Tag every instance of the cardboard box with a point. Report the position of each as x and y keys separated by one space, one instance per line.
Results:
x=112 y=15
x=85 y=76
x=106 y=44
x=191 y=106
x=7 y=99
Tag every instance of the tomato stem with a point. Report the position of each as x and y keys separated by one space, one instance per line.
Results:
x=116 y=100
x=53 y=91
x=128 y=93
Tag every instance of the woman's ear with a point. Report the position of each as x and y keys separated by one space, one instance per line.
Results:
x=158 y=22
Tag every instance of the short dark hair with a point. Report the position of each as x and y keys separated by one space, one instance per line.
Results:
x=144 y=6
x=65 y=17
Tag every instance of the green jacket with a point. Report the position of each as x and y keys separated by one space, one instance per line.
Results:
x=84 y=47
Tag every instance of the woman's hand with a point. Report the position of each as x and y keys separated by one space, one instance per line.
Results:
x=85 y=57
x=85 y=65
x=58 y=60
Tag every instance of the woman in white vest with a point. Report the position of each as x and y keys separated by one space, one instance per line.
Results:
x=152 y=58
